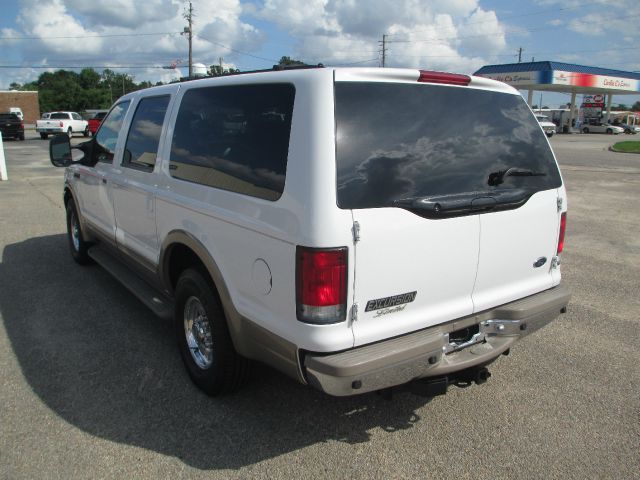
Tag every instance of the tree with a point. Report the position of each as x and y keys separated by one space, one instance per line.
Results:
x=290 y=61
x=217 y=70
x=636 y=107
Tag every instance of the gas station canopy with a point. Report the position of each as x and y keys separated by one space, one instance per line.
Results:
x=564 y=77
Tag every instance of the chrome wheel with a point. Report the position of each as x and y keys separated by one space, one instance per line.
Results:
x=197 y=330
x=75 y=232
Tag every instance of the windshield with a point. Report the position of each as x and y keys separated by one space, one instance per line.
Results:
x=398 y=141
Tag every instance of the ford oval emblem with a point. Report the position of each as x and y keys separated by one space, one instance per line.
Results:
x=540 y=262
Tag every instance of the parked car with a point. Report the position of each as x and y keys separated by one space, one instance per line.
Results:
x=546 y=125
x=95 y=121
x=599 y=127
x=629 y=129
x=62 y=122
x=319 y=221
x=18 y=112
x=11 y=126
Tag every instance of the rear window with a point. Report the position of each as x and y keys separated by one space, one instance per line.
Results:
x=59 y=116
x=399 y=141
x=234 y=138
x=8 y=116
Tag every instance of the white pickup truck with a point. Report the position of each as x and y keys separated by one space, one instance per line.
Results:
x=62 y=122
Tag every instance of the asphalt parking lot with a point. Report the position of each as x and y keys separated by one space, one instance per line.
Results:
x=92 y=385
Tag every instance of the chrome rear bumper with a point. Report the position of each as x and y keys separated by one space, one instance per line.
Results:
x=429 y=352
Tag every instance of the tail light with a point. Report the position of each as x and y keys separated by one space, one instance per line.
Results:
x=427 y=76
x=563 y=228
x=321 y=284
x=61 y=124
x=22 y=126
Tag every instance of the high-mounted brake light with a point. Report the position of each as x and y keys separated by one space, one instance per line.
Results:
x=427 y=76
x=321 y=284
x=563 y=228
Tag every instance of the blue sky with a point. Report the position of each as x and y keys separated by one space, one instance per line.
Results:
x=138 y=37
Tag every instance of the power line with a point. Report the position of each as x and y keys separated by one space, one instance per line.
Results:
x=240 y=52
x=540 y=12
x=92 y=36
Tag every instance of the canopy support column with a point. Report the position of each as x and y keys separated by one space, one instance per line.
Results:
x=609 y=102
x=572 y=109
x=530 y=98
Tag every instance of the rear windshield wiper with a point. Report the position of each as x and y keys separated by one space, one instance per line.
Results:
x=496 y=178
x=469 y=203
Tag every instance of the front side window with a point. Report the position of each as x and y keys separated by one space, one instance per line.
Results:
x=107 y=136
x=234 y=138
x=141 y=148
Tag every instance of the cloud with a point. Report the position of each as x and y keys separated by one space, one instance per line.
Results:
x=420 y=33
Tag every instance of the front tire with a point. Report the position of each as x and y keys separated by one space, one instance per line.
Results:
x=70 y=132
x=77 y=245
x=203 y=336
x=609 y=131
x=585 y=130
x=86 y=132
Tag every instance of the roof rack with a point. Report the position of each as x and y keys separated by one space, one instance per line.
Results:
x=275 y=68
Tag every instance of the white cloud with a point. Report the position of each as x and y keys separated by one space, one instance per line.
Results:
x=421 y=33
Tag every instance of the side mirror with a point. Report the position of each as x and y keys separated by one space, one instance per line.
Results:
x=60 y=151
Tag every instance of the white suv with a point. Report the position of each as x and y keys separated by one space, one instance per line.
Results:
x=340 y=225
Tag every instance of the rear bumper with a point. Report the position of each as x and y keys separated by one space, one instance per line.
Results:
x=429 y=352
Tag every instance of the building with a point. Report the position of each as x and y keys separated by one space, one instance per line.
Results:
x=26 y=101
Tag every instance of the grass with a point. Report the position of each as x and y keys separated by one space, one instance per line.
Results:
x=626 y=147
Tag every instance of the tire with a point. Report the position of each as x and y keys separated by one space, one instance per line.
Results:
x=203 y=337
x=44 y=136
x=21 y=137
x=86 y=132
x=70 y=132
x=609 y=131
x=585 y=130
x=627 y=131
x=77 y=245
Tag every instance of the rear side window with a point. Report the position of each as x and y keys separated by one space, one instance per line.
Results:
x=234 y=138
x=141 y=148
x=399 y=141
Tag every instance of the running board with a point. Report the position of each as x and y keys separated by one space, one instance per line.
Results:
x=157 y=302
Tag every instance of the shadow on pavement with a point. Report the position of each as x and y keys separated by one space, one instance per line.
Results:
x=102 y=362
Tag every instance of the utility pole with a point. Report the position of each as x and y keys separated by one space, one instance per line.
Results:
x=220 y=59
x=520 y=55
x=188 y=16
x=384 y=49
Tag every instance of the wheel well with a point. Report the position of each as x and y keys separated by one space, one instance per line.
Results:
x=67 y=195
x=182 y=257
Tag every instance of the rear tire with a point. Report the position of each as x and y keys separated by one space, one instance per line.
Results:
x=609 y=131
x=44 y=136
x=86 y=132
x=585 y=130
x=21 y=137
x=77 y=245
x=203 y=336
x=70 y=132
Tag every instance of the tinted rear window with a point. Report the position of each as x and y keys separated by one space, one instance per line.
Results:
x=59 y=116
x=234 y=138
x=9 y=116
x=397 y=141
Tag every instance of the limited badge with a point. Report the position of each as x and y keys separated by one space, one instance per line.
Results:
x=388 y=302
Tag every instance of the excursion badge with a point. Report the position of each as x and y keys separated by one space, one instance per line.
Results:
x=388 y=302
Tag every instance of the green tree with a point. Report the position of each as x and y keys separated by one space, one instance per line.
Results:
x=217 y=70
x=290 y=61
x=636 y=107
